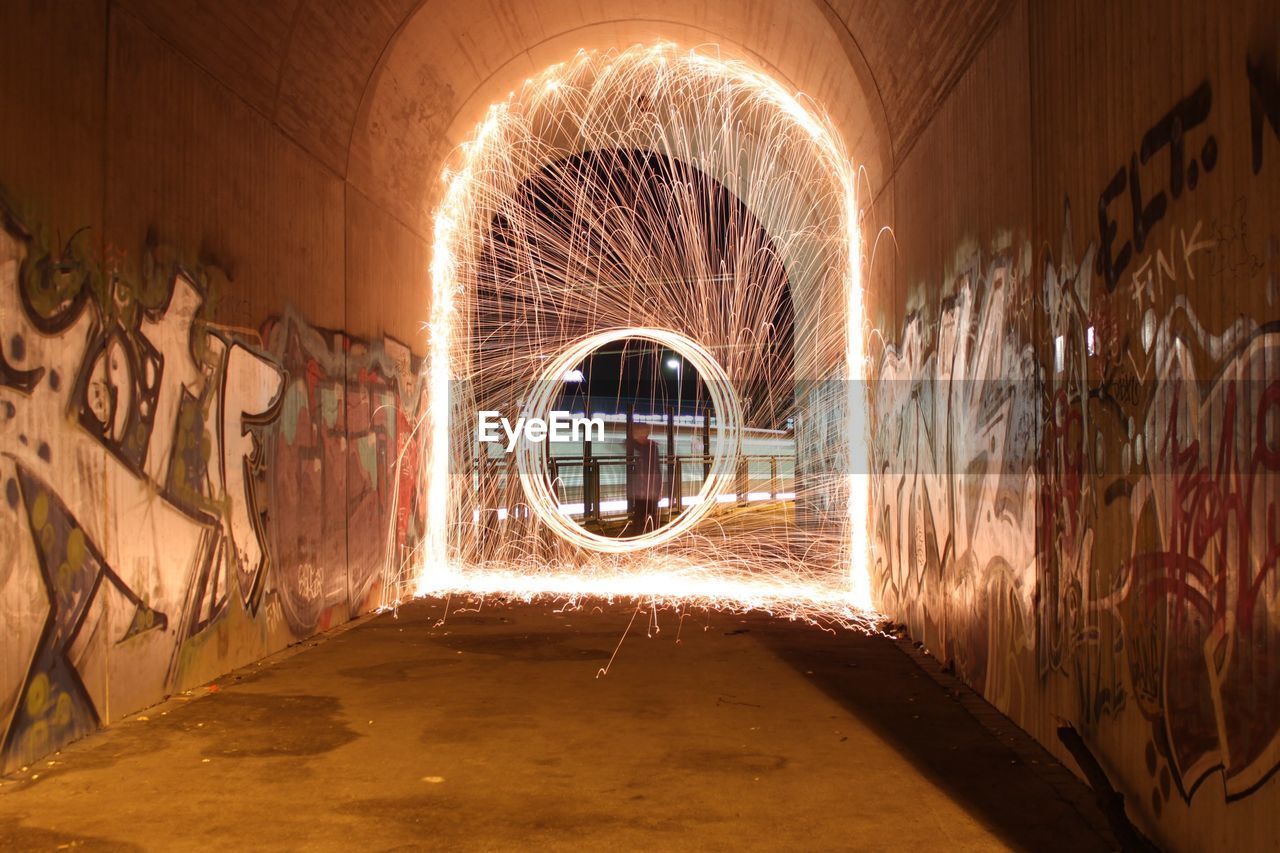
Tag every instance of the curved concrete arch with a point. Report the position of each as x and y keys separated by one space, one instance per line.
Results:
x=518 y=136
x=380 y=92
x=418 y=108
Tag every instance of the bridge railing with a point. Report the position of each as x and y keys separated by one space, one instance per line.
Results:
x=596 y=488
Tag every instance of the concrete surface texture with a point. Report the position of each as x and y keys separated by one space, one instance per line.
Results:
x=492 y=731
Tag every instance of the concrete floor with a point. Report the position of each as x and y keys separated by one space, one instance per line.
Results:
x=493 y=732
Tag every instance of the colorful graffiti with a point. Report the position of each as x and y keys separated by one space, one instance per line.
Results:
x=1160 y=431
x=343 y=420
x=1202 y=585
x=161 y=472
x=997 y=464
x=1078 y=477
x=955 y=484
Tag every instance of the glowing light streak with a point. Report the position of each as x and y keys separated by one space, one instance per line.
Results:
x=664 y=588
x=531 y=458
x=772 y=149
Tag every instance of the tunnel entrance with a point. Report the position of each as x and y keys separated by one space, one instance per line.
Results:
x=690 y=203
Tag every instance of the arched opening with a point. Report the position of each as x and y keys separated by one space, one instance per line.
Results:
x=612 y=240
x=653 y=189
x=602 y=222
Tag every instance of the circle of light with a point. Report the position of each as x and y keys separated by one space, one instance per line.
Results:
x=530 y=458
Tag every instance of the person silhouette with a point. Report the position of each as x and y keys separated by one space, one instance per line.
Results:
x=644 y=481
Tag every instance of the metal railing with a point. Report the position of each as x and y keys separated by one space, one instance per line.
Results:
x=596 y=489
x=593 y=487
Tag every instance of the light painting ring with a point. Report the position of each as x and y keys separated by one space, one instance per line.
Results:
x=531 y=456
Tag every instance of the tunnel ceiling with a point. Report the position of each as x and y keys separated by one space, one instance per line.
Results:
x=382 y=91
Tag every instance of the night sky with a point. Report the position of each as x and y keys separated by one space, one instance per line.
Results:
x=637 y=371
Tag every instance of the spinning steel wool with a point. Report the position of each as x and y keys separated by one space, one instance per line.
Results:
x=686 y=200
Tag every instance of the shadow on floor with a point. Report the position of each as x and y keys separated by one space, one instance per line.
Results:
x=1032 y=806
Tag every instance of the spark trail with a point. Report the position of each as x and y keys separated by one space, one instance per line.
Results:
x=672 y=191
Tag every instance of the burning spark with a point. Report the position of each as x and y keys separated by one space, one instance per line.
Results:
x=740 y=197
x=531 y=460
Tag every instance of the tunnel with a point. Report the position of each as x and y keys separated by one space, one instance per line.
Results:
x=767 y=424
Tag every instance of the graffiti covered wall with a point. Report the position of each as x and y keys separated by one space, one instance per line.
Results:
x=1077 y=439
x=180 y=497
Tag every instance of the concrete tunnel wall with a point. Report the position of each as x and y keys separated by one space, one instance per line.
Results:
x=255 y=188
x=1087 y=561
